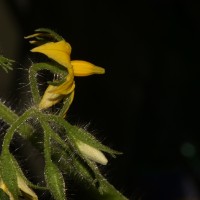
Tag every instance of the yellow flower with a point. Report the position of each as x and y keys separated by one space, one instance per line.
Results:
x=22 y=186
x=60 y=52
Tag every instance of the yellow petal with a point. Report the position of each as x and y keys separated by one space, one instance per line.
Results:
x=63 y=89
x=49 y=99
x=92 y=153
x=5 y=189
x=58 y=51
x=54 y=94
x=24 y=187
x=84 y=68
x=66 y=87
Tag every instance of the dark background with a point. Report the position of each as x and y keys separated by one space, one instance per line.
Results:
x=147 y=103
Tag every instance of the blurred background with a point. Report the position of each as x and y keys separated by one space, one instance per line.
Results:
x=147 y=103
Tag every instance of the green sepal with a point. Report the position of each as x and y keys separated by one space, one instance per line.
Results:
x=64 y=150
x=9 y=175
x=6 y=63
x=3 y=195
x=77 y=133
x=21 y=174
x=109 y=192
x=50 y=33
x=67 y=100
x=56 y=82
x=105 y=189
x=76 y=166
x=54 y=68
x=55 y=181
x=86 y=137
x=44 y=35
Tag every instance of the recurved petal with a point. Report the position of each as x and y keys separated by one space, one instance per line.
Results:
x=58 y=51
x=66 y=87
x=24 y=187
x=49 y=99
x=5 y=189
x=63 y=89
x=84 y=68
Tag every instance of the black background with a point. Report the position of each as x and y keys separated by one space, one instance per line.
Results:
x=147 y=103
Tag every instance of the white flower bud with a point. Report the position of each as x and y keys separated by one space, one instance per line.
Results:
x=92 y=153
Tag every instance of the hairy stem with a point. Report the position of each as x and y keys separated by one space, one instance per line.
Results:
x=9 y=135
x=9 y=117
x=33 y=71
x=47 y=136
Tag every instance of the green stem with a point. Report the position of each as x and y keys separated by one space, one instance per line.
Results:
x=62 y=122
x=33 y=71
x=9 y=135
x=47 y=135
x=8 y=116
x=33 y=84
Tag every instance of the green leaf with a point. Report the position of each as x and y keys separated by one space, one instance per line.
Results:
x=55 y=181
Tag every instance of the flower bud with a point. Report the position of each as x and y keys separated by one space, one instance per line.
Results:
x=92 y=153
